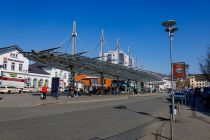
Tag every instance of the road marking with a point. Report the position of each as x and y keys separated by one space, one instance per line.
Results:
x=96 y=100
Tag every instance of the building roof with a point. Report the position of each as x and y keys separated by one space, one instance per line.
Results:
x=37 y=69
x=92 y=66
x=11 y=47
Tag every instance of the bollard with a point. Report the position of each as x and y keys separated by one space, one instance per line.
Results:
x=182 y=104
x=178 y=107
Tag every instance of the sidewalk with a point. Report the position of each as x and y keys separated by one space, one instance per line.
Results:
x=189 y=125
x=28 y=100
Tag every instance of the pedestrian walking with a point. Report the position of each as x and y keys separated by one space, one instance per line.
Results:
x=90 y=90
x=44 y=92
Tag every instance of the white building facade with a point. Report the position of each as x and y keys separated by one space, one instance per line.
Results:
x=14 y=66
x=119 y=58
x=63 y=75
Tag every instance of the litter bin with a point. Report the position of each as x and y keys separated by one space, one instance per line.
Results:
x=175 y=108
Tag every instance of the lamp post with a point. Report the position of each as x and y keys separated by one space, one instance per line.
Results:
x=171 y=29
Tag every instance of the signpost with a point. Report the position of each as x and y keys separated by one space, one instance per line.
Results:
x=179 y=70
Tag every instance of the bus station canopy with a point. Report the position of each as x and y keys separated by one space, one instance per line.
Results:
x=81 y=64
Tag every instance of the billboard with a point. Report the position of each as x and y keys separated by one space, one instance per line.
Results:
x=179 y=70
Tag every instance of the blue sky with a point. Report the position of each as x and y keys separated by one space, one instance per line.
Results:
x=39 y=24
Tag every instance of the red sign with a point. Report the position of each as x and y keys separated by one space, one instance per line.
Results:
x=179 y=70
x=11 y=79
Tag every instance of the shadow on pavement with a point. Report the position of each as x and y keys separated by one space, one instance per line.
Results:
x=143 y=113
x=158 y=135
x=195 y=103
x=159 y=118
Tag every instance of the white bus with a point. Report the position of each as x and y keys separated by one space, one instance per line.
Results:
x=9 y=81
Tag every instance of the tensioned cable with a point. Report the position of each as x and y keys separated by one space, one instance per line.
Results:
x=67 y=47
x=83 y=45
x=107 y=44
x=62 y=43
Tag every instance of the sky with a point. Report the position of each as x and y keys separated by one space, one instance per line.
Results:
x=43 y=24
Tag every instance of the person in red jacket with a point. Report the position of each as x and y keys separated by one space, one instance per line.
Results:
x=44 y=92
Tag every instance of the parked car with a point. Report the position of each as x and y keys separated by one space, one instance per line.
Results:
x=29 y=90
x=179 y=96
x=10 y=89
x=206 y=95
x=197 y=92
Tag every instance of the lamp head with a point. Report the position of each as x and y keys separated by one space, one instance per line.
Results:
x=172 y=29
x=169 y=23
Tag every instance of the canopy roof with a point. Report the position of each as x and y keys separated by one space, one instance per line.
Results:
x=90 y=66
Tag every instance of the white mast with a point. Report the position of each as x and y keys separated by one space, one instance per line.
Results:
x=136 y=63
x=74 y=35
x=129 y=57
x=118 y=51
x=102 y=45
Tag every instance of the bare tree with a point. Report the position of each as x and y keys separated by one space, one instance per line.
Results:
x=205 y=65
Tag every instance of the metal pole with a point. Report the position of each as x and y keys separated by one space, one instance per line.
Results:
x=171 y=29
x=172 y=77
x=118 y=85
x=72 y=78
x=128 y=86
x=102 y=83
x=72 y=83
x=171 y=124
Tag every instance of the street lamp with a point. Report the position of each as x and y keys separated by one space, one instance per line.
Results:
x=171 y=29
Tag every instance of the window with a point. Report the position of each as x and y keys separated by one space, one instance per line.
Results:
x=28 y=81
x=13 y=66
x=12 y=55
x=35 y=83
x=5 y=64
x=40 y=83
x=56 y=74
x=46 y=83
x=64 y=75
x=20 y=67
